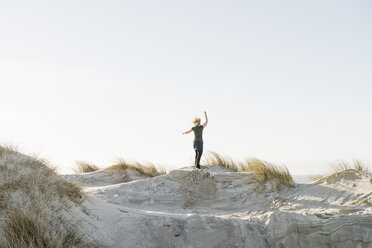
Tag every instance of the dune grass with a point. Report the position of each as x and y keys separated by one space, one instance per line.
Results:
x=32 y=197
x=316 y=177
x=6 y=148
x=263 y=170
x=147 y=170
x=218 y=160
x=340 y=166
x=84 y=167
x=355 y=164
x=25 y=228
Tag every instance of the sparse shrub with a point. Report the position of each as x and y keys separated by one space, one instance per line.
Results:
x=148 y=170
x=84 y=167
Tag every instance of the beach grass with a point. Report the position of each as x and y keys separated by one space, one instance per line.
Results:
x=144 y=169
x=29 y=190
x=24 y=227
x=216 y=159
x=342 y=165
x=355 y=164
x=262 y=170
x=85 y=167
x=316 y=177
x=266 y=171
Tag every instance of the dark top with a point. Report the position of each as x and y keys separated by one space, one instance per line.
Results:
x=198 y=132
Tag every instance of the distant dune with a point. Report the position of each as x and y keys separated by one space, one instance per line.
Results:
x=302 y=178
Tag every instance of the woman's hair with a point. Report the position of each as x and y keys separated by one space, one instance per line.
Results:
x=196 y=121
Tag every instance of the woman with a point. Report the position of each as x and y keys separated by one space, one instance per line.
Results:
x=198 y=138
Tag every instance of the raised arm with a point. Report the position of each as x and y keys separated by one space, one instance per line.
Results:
x=189 y=131
x=206 y=119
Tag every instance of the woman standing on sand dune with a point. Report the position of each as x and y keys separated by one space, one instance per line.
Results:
x=198 y=138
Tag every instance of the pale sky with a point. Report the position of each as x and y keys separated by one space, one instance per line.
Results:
x=288 y=82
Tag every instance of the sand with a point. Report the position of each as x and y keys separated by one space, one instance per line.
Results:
x=215 y=207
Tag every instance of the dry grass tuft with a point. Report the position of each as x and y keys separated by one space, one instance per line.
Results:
x=316 y=177
x=263 y=170
x=356 y=164
x=84 y=167
x=216 y=159
x=148 y=170
x=25 y=228
x=7 y=148
x=32 y=199
x=341 y=166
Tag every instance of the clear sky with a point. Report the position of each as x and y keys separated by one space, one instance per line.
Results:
x=289 y=82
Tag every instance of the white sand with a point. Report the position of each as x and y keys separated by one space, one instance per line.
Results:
x=215 y=207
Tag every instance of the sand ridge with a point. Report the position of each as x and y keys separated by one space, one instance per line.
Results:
x=215 y=207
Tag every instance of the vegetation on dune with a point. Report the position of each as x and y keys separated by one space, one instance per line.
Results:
x=341 y=166
x=316 y=177
x=123 y=168
x=23 y=227
x=84 y=167
x=148 y=169
x=7 y=149
x=218 y=160
x=356 y=164
x=32 y=198
x=263 y=170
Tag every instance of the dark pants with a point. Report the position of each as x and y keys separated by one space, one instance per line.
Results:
x=198 y=147
x=198 y=155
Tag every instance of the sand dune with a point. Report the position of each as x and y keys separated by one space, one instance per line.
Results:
x=212 y=207
x=215 y=207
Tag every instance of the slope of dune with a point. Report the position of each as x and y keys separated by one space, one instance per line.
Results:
x=212 y=207
x=38 y=208
x=215 y=207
